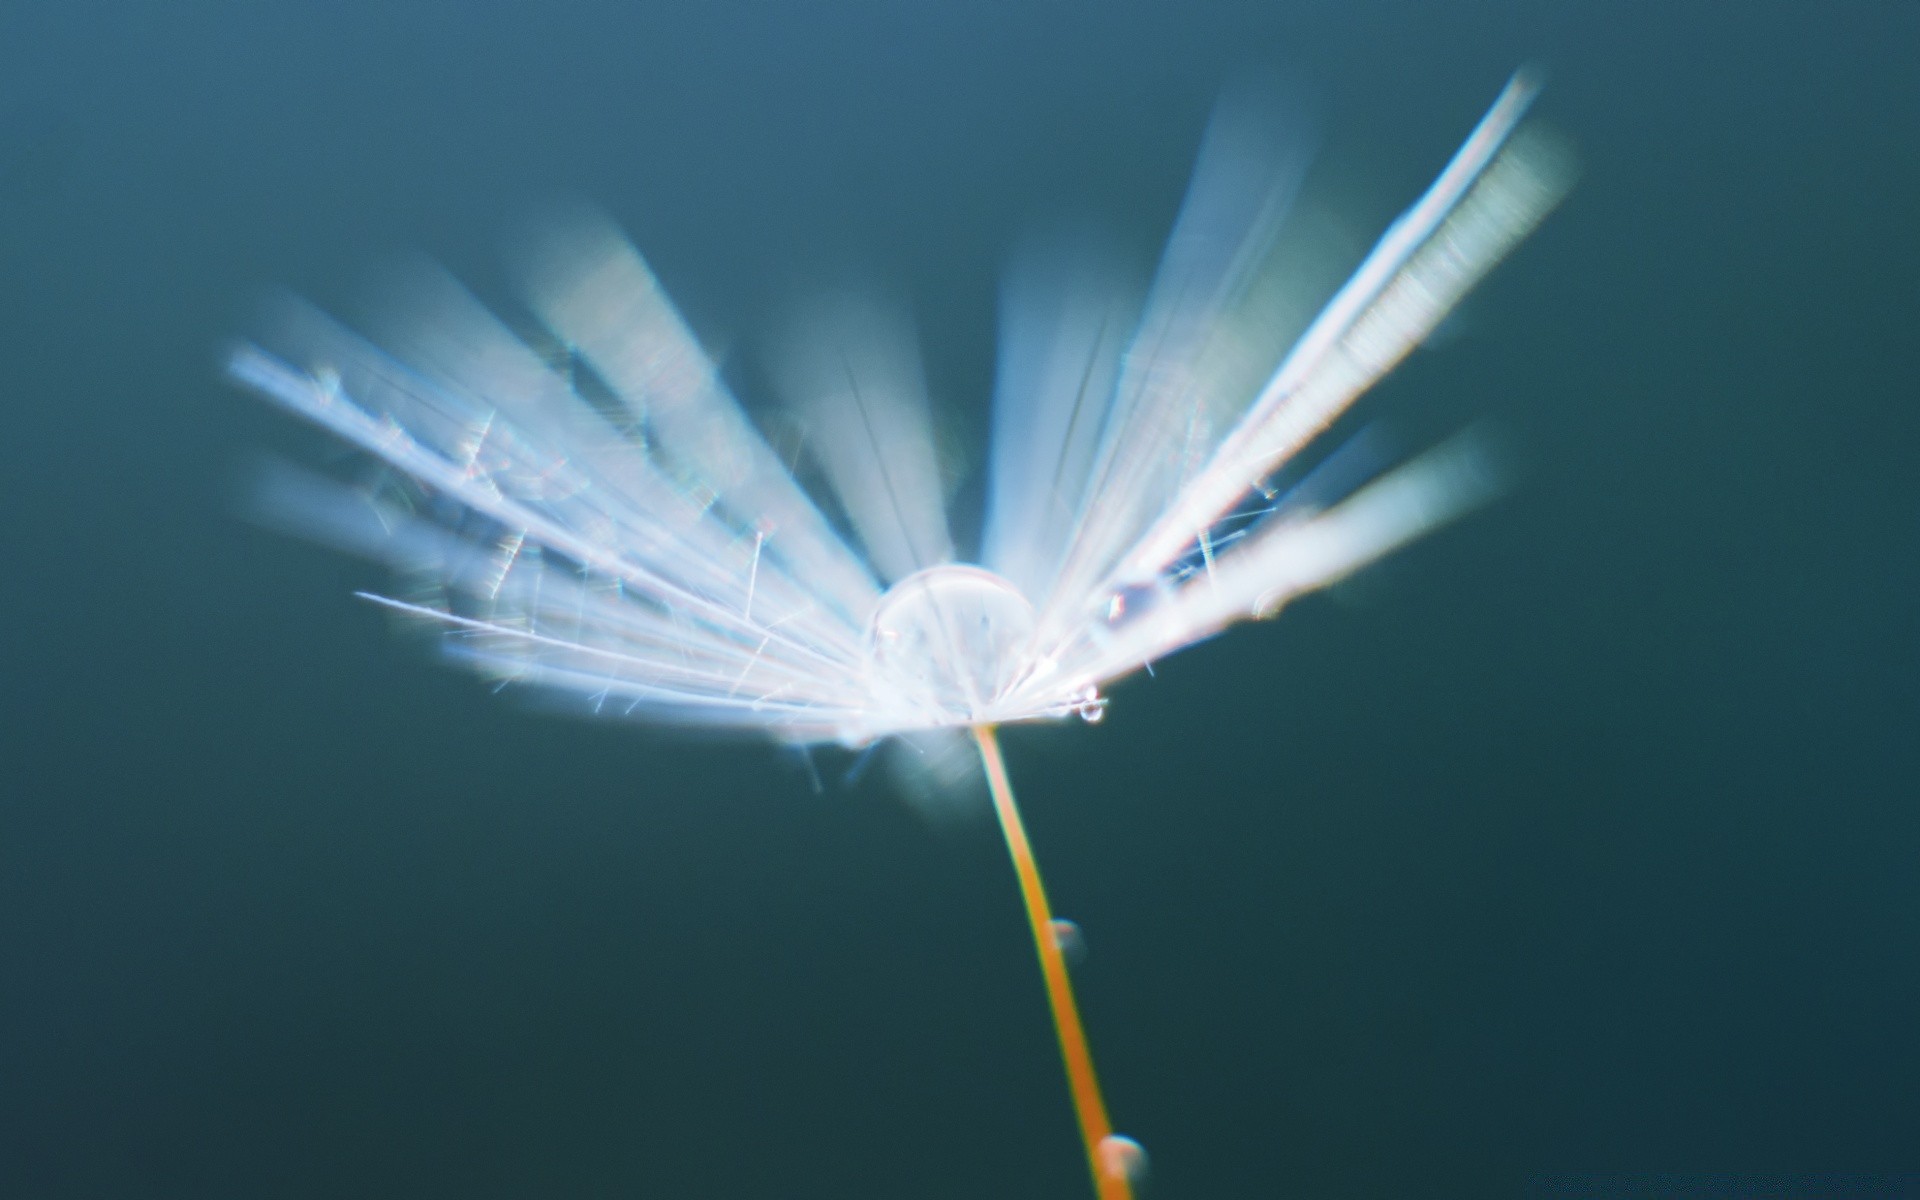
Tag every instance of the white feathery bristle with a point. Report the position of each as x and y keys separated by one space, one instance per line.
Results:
x=585 y=507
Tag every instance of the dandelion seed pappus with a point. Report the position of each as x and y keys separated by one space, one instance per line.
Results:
x=588 y=510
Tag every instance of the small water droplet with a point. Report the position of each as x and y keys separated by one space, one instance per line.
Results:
x=1089 y=705
x=1072 y=943
x=326 y=380
x=1123 y=1158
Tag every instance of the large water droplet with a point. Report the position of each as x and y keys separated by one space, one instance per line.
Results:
x=952 y=637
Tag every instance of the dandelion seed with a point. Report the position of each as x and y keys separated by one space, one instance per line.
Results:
x=639 y=547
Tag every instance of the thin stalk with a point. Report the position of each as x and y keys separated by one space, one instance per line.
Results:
x=1110 y=1158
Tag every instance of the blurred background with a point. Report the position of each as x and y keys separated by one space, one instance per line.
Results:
x=1579 y=840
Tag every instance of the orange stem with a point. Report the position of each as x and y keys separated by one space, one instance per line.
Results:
x=1096 y=1132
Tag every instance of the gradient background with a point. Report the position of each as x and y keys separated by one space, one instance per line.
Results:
x=1581 y=838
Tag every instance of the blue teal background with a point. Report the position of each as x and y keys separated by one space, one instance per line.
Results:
x=1580 y=839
